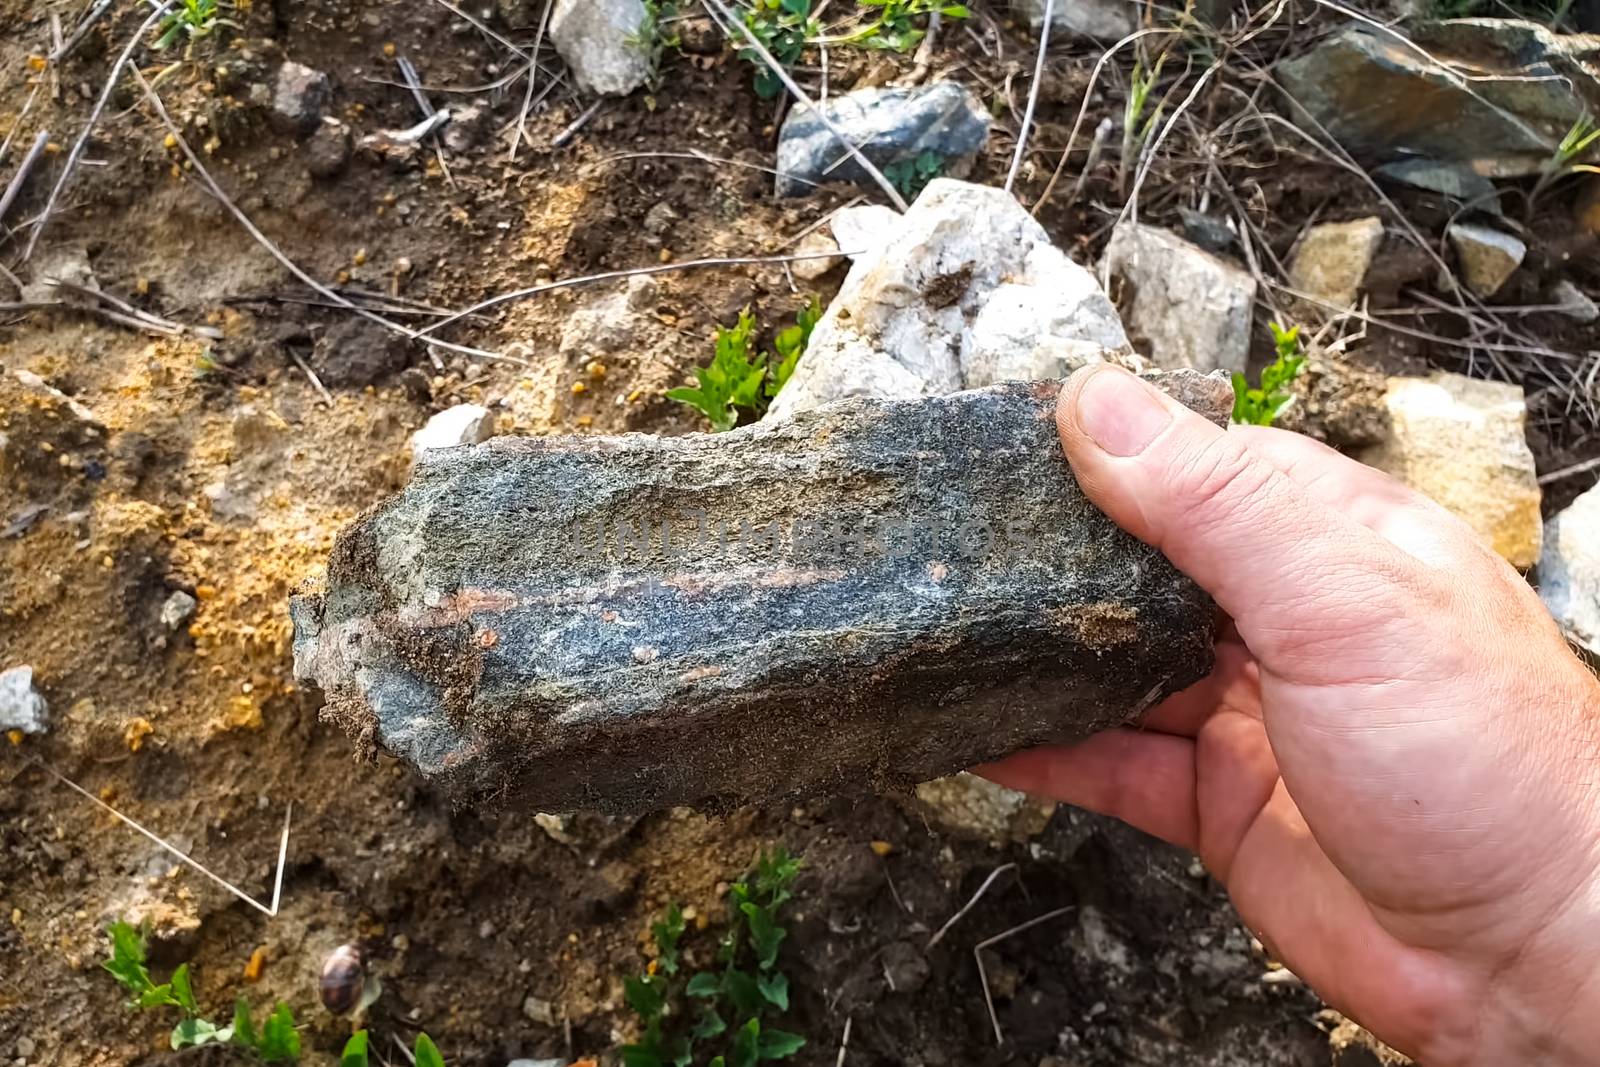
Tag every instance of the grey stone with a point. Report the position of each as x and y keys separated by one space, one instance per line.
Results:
x=353 y=353
x=1569 y=572
x=1456 y=180
x=22 y=707
x=483 y=623
x=463 y=424
x=328 y=150
x=177 y=609
x=889 y=126
x=1332 y=260
x=540 y=1011
x=905 y=967
x=1105 y=19
x=1488 y=257
x=1207 y=231
x=1500 y=96
x=299 y=96
x=966 y=292
x=661 y=217
x=600 y=41
x=62 y=263
x=1574 y=303
x=1192 y=309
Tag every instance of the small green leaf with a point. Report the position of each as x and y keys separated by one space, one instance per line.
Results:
x=747 y=1044
x=646 y=996
x=639 y=1056
x=743 y=993
x=427 y=1053
x=182 y=991
x=244 y=1029
x=666 y=933
x=776 y=1044
x=704 y=984
x=279 y=1040
x=710 y=1024
x=127 y=962
x=159 y=996
x=195 y=1032
x=775 y=989
x=355 y=1051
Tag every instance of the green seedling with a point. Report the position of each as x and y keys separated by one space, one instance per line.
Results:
x=740 y=379
x=747 y=983
x=1261 y=407
x=191 y=20
x=894 y=28
x=655 y=36
x=1580 y=141
x=424 y=1054
x=1136 y=125
x=782 y=27
x=912 y=174
x=276 y=1042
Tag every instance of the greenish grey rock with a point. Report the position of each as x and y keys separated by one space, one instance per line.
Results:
x=876 y=592
x=891 y=127
x=1496 y=93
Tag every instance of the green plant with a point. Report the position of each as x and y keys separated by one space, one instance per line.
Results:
x=1579 y=141
x=425 y=1053
x=276 y=1042
x=1136 y=126
x=1260 y=407
x=791 y=343
x=748 y=984
x=192 y=19
x=654 y=37
x=782 y=27
x=737 y=378
x=911 y=174
x=894 y=29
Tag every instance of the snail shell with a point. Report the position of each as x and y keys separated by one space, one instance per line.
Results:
x=344 y=975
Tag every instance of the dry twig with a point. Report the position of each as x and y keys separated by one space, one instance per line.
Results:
x=1033 y=95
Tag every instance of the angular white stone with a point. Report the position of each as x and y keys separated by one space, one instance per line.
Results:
x=1569 y=572
x=966 y=291
x=464 y=424
x=21 y=705
x=1193 y=308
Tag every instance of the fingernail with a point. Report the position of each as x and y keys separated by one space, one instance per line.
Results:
x=1120 y=413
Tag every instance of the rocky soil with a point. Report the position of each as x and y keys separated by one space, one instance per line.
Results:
x=186 y=424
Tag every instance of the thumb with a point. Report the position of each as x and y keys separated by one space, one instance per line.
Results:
x=1291 y=571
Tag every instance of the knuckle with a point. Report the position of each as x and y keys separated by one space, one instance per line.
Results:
x=1218 y=480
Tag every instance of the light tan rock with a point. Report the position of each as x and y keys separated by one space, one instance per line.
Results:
x=1333 y=259
x=966 y=804
x=1488 y=257
x=1460 y=441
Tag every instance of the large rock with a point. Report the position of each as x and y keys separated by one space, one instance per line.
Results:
x=1460 y=441
x=1105 y=19
x=891 y=127
x=601 y=42
x=1569 y=572
x=21 y=705
x=1501 y=95
x=967 y=291
x=879 y=592
x=1191 y=308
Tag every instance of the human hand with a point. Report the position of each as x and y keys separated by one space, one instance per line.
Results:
x=1394 y=767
